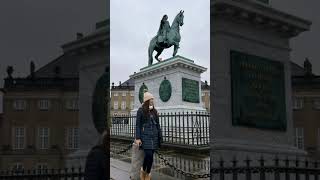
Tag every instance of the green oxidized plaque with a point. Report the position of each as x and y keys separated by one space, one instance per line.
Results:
x=258 y=92
x=100 y=110
x=165 y=90
x=190 y=90
x=141 y=92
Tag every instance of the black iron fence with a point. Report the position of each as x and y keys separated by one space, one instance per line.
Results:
x=39 y=174
x=266 y=169
x=186 y=128
x=257 y=168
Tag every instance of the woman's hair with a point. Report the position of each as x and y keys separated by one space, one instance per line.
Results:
x=146 y=111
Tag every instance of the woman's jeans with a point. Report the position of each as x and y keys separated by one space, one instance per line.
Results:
x=148 y=160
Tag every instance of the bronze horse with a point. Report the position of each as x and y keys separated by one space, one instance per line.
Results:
x=173 y=38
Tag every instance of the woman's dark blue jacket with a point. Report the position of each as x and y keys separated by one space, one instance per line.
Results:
x=149 y=134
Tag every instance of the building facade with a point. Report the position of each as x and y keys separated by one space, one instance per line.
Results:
x=205 y=95
x=306 y=110
x=40 y=118
x=122 y=98
x=39 y=126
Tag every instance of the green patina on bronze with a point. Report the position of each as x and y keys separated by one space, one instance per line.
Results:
x=258 y=92
x=141 y=92
x=190 y=90
x=166 y=37
x=100 y=103
x=165 y=90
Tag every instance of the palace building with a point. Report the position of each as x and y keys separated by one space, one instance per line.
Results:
x=39 y=126
x=306 y=109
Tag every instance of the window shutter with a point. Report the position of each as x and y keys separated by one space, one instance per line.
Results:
x=66 y=138
x=24 y=137
x=38 y=138
x=48 y=138
x=13 y=138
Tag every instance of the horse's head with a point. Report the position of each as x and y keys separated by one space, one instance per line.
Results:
x=180 y=18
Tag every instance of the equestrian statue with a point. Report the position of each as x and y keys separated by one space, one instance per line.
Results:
x=166 y=37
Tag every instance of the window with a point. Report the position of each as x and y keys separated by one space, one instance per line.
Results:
x=123 y=105
x=72 y=104
x=19 y=104
x=297 y=102
x=43 y=134
x=72 y=138
x=316 y=103
x=131 y=104
x=44 y=104
x=299 y=138
x=203 y=104
x=318 y=139
x=115 y=105
x=124 y=93
x=115 y=94
x=19 y=138
x=42 y=168
x=202 y=94
x=17 y=168
x=131 y=94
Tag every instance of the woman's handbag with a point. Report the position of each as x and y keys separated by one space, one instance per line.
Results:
x=136 y=161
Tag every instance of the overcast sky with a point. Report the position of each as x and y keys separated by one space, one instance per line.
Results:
x=135 y=23
x=35 y=29
x=306 y=44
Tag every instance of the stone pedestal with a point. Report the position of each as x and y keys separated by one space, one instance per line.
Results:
x=257 y=30
x=184 y=77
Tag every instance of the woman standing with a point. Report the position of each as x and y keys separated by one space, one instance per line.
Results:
x=148 y=133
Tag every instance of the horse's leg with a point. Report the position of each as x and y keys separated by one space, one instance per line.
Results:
x=159 y=52
x=150 y=51
x=175 y=49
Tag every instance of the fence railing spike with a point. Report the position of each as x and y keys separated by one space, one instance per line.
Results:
x=262 y=160
x=234 y=161
x=221 y=162
x=306 y=162
x=315 y=164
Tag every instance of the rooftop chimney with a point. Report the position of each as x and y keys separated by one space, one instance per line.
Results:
x=307 y=67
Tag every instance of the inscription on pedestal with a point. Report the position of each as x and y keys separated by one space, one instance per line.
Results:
x=190 y=90
x=258 y=93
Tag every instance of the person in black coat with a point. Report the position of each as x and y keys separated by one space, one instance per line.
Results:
x=96 y=167
x=148 y=133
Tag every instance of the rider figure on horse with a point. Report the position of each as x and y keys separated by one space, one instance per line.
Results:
x=163 y=30
x=166 y=37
